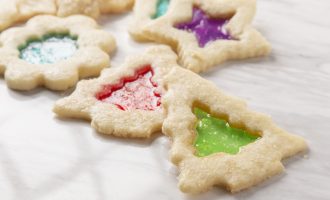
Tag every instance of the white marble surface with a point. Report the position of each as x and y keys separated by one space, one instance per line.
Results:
x=42 y=157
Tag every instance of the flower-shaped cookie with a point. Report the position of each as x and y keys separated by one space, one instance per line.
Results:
x=14 y=11
x=203 y=33
x=54 y=52
x=217 y=140
x=124 y=101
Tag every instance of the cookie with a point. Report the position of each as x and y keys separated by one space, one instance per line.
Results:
x=8 y=14
x=217 y=140
x=15 y=11
x=92 y=8
x=115 y=6
x=54 y=52
x=144 y=13
x=30 y=8
x=203 y=33
x=70 y=7
x=124 y=101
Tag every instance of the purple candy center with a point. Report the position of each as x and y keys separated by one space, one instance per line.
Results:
x=205 y=28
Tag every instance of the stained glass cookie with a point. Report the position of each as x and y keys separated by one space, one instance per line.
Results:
x=54 y=52
x=92 y=8
x=115 y=6
x=14 y=11
x=71 y=7
x=217 y=140
x=124 y=101
x=203 y=33
x=145 y=12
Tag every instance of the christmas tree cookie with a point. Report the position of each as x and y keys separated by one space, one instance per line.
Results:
x=54 y=52
x=203 y=33
x=125 y=101
x=217 y=140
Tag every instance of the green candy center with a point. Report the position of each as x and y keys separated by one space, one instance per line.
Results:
x=215 y=135
x=161 y=9
x=50 y=49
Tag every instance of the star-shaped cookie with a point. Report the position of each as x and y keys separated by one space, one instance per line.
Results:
x=125 y=101
x=217 y=140
x=203 y=33
x=54 y=52
x=145 y=12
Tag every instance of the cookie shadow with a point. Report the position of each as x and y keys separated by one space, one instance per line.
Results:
x=138 y=142
x=236 y=64
x=39 y=92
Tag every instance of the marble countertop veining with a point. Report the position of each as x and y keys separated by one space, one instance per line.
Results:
x=43 y=157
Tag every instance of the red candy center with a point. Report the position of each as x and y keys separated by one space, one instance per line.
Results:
x=134 y=92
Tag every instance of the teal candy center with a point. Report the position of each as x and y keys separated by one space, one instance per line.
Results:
x=161 y=9
x=216 y=135
x=50 y=49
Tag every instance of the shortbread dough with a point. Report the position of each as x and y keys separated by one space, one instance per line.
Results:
x=256 y=160
x=134 y=110
x=89 y=58
x=234 y=19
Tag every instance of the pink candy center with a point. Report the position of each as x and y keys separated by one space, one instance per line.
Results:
x=137 y=92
